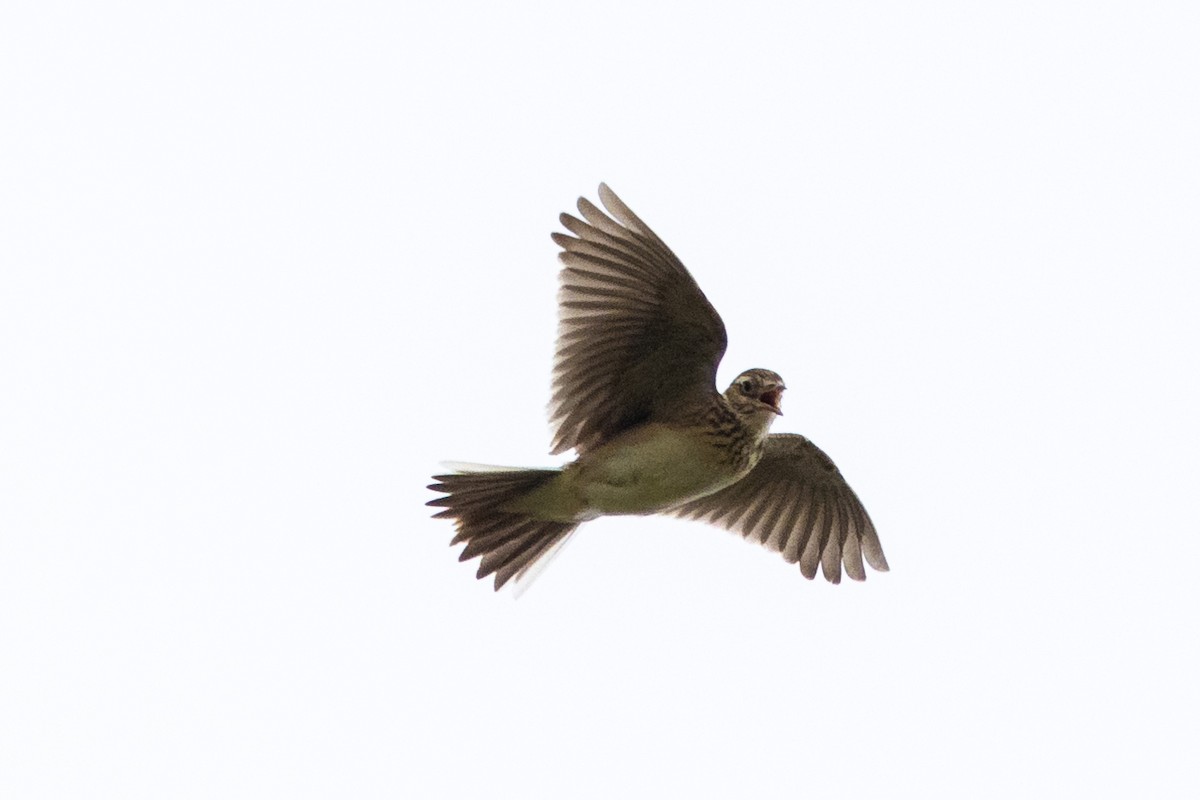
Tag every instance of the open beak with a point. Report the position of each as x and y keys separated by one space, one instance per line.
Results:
x=771 y=397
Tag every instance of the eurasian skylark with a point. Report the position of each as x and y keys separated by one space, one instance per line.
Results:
x=634 y=395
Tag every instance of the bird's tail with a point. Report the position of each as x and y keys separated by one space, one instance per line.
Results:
x=510 y=543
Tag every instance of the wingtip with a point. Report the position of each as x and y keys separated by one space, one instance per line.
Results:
x=610 y=200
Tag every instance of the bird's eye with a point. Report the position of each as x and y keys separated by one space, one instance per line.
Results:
x=747 y=387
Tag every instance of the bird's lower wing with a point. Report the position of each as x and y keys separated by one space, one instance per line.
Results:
x=796 y=502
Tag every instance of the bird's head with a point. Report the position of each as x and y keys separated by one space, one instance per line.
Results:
x=756 y=393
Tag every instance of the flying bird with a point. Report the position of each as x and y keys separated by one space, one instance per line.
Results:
x=634 y=394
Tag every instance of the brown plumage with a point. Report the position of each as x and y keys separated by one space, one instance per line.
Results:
x=634 y=396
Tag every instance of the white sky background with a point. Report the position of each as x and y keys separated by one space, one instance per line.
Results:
x=263 y=266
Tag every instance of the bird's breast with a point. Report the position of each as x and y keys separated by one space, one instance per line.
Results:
x=655 y=467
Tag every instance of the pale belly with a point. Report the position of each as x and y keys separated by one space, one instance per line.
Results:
x=649 y=469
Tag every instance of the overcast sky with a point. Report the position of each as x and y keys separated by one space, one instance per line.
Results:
x=264 y=265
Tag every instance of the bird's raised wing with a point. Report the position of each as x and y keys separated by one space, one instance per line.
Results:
x=636 y=336
x=796 y=502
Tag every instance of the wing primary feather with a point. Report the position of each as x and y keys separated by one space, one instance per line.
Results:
x=631 y=251
x=601 y=221
x=779 y=503
x=831 y=555
x=852 y=548
x=801 y=529
x=622 y=212
x=872 y=550
x=813 y=545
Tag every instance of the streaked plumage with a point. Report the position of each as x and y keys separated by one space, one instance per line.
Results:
x=634 y=396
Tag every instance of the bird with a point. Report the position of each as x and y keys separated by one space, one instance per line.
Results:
x=634 y=395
